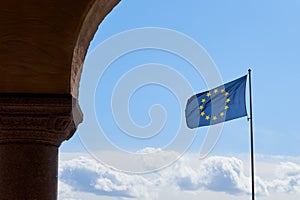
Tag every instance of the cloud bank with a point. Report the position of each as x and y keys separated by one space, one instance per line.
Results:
x=87 y=175
x=83 y=176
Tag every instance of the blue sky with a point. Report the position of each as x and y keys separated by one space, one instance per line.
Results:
x=237 y=35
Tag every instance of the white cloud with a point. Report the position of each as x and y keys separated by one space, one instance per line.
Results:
x=149 y=150
x=288 y=180
x=87 y=175
x=225 y=174
x=85 y=178
x=221 y=174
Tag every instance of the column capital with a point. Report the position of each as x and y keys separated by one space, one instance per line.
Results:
x=38 y=118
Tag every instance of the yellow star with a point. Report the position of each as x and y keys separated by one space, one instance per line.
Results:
x=202 y=113
x=227 y=100
x=215 y=118
x=222 y=91
x=227 y=93
x=222 y=114
x=203 y=100
x=215 y=91
x=201 y=107
x=207 y=117
x=226 y=107
x=208 y=94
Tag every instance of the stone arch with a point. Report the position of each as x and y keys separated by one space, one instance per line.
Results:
x=43 y=45
x=89 y=26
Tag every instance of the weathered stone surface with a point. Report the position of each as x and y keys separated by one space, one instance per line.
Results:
x=31 y=129
x=48 y=119
x=43 y=43
x=90 y=25
x=28 y=171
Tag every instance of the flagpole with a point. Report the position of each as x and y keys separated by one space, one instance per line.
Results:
x=251 y=138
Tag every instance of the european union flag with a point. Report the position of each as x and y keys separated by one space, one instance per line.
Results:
x=220 y=104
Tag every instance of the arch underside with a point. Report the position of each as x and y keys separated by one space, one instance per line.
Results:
x=43 y=43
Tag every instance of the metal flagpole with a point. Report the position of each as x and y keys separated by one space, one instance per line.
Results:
x=251 y=137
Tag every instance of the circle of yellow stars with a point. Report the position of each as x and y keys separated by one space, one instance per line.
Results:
x=222 y=113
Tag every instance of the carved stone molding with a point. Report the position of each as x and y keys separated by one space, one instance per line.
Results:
x=49 y=119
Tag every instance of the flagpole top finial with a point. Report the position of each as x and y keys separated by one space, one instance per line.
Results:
x=249 y=70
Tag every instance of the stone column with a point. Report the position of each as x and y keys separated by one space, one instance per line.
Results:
x=32 y=128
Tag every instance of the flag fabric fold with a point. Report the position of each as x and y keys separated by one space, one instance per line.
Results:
x=217 y=105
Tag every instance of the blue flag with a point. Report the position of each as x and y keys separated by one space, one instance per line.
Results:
x=220 y=104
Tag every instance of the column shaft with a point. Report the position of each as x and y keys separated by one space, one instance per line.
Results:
x=28 y=171
x=32 y=128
